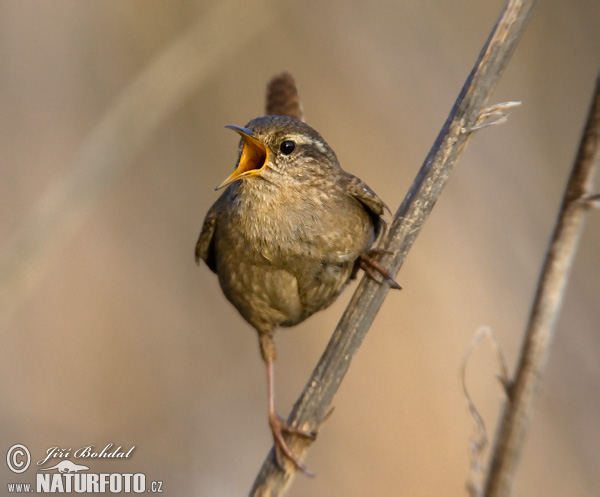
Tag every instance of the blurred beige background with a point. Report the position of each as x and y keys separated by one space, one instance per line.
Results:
x=124 y=340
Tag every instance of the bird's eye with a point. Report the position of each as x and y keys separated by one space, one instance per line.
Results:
x=287 y=147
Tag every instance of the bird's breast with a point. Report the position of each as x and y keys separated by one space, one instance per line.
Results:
x=281 y=259
x=310 y=226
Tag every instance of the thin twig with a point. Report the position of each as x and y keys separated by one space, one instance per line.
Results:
x=318 y=394
x=120 y=135
x=479 y=439
x=545 y=309
x=495 y=114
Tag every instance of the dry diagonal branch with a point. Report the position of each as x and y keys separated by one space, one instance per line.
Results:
x=313 y=404
x=546 y=307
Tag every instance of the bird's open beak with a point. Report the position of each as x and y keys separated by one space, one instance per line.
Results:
x=253 y=159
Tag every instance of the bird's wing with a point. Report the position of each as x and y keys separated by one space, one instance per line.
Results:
x=205 y=247
x=374 y=206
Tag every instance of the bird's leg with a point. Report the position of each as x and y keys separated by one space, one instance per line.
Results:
x=276 y=423
x=370 y=266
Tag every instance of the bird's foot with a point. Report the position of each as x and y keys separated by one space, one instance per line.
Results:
x=369 y=265
x=278 y=428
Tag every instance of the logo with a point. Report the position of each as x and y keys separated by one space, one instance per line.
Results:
x=14 y=458
x=66 y=475
x=66 y=467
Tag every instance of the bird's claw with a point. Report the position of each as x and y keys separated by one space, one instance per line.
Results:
x=370 y=266
x=278 y=427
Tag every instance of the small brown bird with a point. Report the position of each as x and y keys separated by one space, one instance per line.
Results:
x=288 y=232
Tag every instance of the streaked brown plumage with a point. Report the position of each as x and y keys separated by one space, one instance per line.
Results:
x=282 y=97
x=287 y=233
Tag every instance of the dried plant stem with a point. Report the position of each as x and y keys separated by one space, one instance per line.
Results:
x=313 y=405
x=546 y=306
